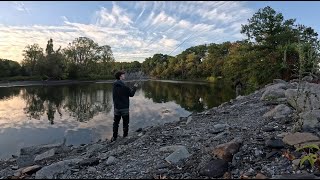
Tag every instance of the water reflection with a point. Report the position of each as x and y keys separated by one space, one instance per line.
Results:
x=194 y=97
x=82 y=113
x=7 y=93
x=86 y=101
x=81 y=101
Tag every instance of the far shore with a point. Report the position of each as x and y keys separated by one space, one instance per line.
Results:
x=57 y=82
x=68 y=82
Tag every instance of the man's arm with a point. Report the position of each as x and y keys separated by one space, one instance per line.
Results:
x=132 y=91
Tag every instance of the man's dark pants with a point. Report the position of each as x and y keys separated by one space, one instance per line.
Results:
x=118 y=113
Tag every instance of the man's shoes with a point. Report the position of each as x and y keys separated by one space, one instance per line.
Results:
x=113 y=139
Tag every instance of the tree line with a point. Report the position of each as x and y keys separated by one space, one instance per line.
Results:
x=275 y=47
x=81 y=59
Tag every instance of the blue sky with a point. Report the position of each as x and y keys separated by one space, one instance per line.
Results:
x=135 y=30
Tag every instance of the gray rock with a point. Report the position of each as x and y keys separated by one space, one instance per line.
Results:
x=170 y=148
x=103 y=156
x=27 y=170
x=310 y=119
x=299 y=138
x=189 y=119
x=215 y=168
x=274 y=92
x=14 y=167
x=161 y=166
x=275 y=143
x=92 y=169
x=296 y=162
x=283 y=134
x=282 y=100
x=268 y=129
x=295 y=176
x=61 y=167
x=257 y=152
x=277 y=81
x=6 y=172
x=279 y=111
x=250 y=172
x=25 y=160
x=272 y=154
x=39 y=149
x=45 y=155
x=63 y=149
x=307 y=78
x=219 y=136
x=111 y=160
x=307 y=99
x=179 y=154
x=239 y=97
x=218 y=128
x=94 y=148
x=89 y=162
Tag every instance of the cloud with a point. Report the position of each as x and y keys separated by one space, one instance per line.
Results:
x=116 y=17
x=20 y=6
x=138 y=30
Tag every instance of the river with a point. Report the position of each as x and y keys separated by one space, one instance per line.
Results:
x=83 y=113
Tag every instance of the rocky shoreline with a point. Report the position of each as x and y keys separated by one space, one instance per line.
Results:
x=254 y=136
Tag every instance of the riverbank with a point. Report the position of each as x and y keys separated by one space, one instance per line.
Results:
x=248 y=137
x=54 y=83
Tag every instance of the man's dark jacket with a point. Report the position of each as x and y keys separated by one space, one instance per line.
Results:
x=121 y=94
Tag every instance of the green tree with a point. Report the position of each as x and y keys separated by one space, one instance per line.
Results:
x=32 y=54
x=9 y=68
x=268 y=28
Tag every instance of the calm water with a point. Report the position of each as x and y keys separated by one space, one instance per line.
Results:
x=83 y=113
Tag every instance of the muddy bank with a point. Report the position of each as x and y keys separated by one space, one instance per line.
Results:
x=249 y=137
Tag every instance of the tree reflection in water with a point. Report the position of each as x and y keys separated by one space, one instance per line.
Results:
x=7 y=93
x=81 y=101
x=85 y=101
x=191 y=96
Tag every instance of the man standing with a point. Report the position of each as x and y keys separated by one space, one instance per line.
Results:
x=121 y=94
x=239 y=86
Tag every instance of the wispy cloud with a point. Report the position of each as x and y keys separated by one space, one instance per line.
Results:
x=20 y=6
x=139 y=31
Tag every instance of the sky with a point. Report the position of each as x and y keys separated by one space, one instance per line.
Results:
x=135 y=30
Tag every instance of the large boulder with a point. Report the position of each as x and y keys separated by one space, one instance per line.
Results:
x=180 y=154
x=28 y=154
x=274 y=92
x=45 y=155
x=49 y=172
x=280 y=111
x=296 y=139
x=307 y=78
x=311 y=120
x=33 y=150
x=306 y=98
